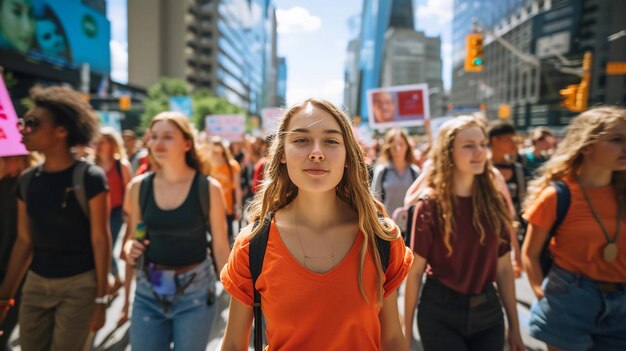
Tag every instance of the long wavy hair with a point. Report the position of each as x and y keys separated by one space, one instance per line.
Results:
x=488 y=204
x=115 y=140
x=584 y=131
x=278 y=191
x=181 y=122
x=390 y=136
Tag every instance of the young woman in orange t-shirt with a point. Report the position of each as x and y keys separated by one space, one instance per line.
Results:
x=581 y=302
x=226 y=170
x=322 y=285
x=462 y=232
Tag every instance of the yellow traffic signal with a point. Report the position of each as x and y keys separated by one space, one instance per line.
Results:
x=474 y=53
x=569 y=97
x=576 y=96
x=125 y=103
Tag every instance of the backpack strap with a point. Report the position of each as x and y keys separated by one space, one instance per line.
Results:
x=520 y=178
x=258 y=244
x=25 y=179
x=144 y=188
x=563 y=201
x=384 y=249
x=205 y=198
x=78 y=182
x=383 y=174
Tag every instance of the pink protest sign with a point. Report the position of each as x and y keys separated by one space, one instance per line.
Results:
x=10 y=137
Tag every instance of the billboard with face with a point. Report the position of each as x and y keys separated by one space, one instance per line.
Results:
x=62 y=32
x=398 y=106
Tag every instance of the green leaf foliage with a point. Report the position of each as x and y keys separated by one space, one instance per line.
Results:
x=204 y=102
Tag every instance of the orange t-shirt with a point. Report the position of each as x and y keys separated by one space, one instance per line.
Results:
x=578 y=242
x=310 y=311
x=226 y=179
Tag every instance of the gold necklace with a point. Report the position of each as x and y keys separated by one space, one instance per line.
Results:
x=325 y=257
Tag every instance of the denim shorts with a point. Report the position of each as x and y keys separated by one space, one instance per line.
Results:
x=575 y=314
x=188 y=318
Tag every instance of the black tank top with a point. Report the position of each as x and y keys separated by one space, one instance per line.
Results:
x=177 y=237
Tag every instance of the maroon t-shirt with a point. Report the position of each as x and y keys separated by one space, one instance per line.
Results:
x=472 y=265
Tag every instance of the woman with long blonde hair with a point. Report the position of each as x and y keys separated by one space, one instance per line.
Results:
x=396 y=170
x=581 y=302
x=462 y=232
x=322 y=284
x=175 y=294
x=111 y=157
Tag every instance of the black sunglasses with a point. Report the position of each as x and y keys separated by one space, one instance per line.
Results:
x=28 y=124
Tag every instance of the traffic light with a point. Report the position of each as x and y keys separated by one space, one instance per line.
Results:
x=569 y=95
x=474 y=53
x=576 y=96
x=125 y=103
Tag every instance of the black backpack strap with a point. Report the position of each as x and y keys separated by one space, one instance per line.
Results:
x=144 y=188
x=383 y=174
x=384 y=249
x=258 y=244
x=118 y=168
x=25 y=179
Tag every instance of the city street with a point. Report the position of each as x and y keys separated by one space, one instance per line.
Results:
x=116 y=338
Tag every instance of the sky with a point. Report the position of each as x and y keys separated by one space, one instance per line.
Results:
x=313 y=36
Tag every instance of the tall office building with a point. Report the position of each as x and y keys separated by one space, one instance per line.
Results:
x=388 y=52
x=227 y=46
x=281 y=82
x=553 y=33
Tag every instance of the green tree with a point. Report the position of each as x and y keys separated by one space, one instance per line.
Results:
x=158 y=98
x=203 y=100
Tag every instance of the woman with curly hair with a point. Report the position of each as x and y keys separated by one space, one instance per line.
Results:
x=63 y=229
x=581 y=299
x=461 y=239
x=322 y=286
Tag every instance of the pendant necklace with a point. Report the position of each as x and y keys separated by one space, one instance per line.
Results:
x=330 y=257
x=610 y=251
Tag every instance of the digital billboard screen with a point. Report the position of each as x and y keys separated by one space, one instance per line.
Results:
x=62 y=32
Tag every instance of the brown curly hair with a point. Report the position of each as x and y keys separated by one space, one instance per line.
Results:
x=70 y=110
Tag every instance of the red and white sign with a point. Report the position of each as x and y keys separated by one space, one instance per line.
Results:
x=398 y=106
x=10 y=137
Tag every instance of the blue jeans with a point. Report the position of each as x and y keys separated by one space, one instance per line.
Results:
x=115 y=222
x=186 y=321
x=577 y=313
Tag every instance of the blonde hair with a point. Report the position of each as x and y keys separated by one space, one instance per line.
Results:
x=181 y=122
x=488 y=204
x=115 y=140
x=390 y=136
x=277 y=190
x=584 y=131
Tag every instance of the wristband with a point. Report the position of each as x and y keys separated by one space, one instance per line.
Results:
x=103 y=300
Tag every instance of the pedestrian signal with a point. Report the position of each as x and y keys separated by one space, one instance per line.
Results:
x=474 y=53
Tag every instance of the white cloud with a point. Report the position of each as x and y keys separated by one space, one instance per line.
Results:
x=296 y=20
x=442 y=10
x=119 y=61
